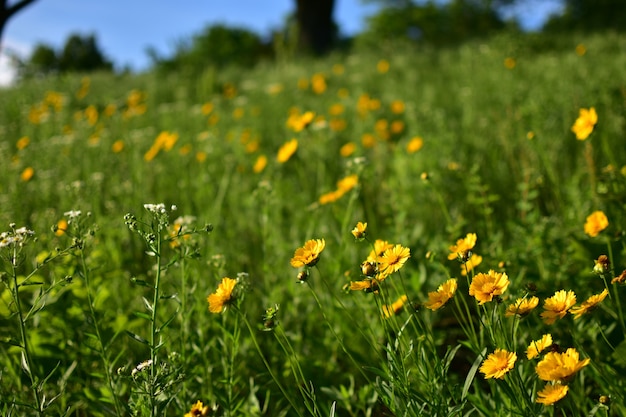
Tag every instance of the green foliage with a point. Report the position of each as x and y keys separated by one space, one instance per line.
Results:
x=79 y=54
x=589 y=15
x=472 y=138
x=432 y=22
x=217 y=46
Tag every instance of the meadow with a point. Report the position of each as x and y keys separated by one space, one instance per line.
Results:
x=400 y=231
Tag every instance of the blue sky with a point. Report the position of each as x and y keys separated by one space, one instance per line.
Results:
x=126 y=28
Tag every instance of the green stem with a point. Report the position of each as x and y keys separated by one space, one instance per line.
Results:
x=267 y=365
x=154 y=328
x=330 y=326
x=27 y=358
x=615 y=292
x=101 y=348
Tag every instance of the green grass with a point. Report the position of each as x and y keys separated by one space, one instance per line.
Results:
x=95 y=312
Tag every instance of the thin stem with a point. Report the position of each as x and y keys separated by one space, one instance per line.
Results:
x=330 y=326
x=267 y=365
x=101 y=349
x=27 y=358
x=153 y=326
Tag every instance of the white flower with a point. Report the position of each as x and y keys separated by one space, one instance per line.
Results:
x=143 y=365
x=72 y=214
x=155 y=208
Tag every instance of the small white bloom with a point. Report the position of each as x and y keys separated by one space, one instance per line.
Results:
x=72 y=214
x=143 y=365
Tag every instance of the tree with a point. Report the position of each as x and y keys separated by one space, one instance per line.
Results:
x=9 y=10
x=81 y=53
x=317 y=29
x=590 y=15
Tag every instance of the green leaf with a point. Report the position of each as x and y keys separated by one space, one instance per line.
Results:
x=142 y=315
x=138 y=338
x=472 y=373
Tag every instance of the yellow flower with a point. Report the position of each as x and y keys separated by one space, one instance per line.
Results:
x=397 y=127
x=380 y=246
x=471 y=263
x=551 y=394
x=22 y=142
x=510 y=63
x=287 y=150
x=27 y=174
x=560 y=366
x=522 y=307
x=207 y=108
x=583 y=126
x=498 y=364
x=537 y=346
x=486 y=286
x=347 y=183
x=581 y=49
x=347 y=149
x=118 y=146
x=415 y=144
x=330 y=197
x=61 y=227
x=556 y=307
x=595 y=223
x=260 y=164
x=382 y=66
x=589 y=304
x=367 y=285
x=309 y=254
x=318 y=83
x=219 y=300
x=462 y=247
x=397 y=106
x=437 y=299
x=336 y=109
x=359 y=230
x=393 y=309
x=393 y=259
x=198 y=410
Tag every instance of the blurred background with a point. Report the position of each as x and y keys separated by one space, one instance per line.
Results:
x=46 y=36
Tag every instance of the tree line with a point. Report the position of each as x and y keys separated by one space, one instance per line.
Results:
x=312 y=29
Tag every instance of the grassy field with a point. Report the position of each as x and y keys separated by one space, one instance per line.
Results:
x=492 y=232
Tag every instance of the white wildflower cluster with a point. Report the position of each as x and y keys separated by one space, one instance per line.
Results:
x=72 y=214
x=143 y=365
x=155 y=208
x=15 y=237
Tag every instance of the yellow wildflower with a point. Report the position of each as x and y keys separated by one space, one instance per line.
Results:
x=260 y=164
x=439 y=298
x=595 y=223
x=359 y=230
x=557 y=366
x=198 y=410
x=393 y=309
x=415 y=144
x=287 y=150
x=486 y=286
x=393 y=259
x=463 y=247
x=309 y=254
x=556 y=307
x=583 y=126
x=219 y=300
x=522 y=307
x=498 y=364
x=537 y=346
x=551 y=394
x=589 y=304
